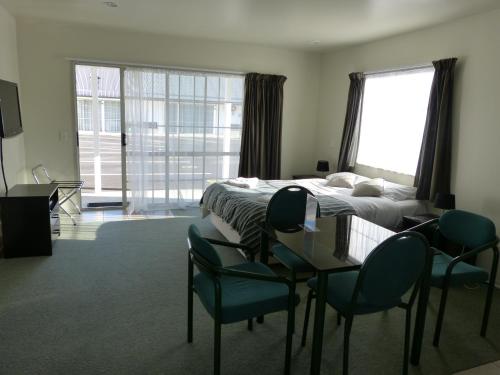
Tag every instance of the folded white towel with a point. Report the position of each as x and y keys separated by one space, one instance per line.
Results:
x=242 y=182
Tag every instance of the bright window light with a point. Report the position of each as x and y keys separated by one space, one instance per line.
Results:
x=393 y=119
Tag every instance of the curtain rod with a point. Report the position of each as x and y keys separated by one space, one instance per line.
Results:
x=397 y=70
x=121 y=64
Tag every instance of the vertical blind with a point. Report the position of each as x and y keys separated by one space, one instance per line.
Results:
x=183 y=132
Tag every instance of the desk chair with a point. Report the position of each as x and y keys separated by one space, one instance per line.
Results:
x=236 y=293
x=475 y=234
x=387 y=274
x=67 y=189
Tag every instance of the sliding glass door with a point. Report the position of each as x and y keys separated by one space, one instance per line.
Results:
x=183 y=132
x=100 y=144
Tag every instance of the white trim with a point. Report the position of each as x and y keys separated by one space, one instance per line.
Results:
x=398 y=70
x=118 y=64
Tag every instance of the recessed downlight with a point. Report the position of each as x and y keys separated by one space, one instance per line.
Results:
x=110 y=4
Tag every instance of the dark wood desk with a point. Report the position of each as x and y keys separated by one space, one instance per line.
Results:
x=30 y=219
x=341 y=244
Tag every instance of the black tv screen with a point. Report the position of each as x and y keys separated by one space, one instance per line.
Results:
x=10 y=112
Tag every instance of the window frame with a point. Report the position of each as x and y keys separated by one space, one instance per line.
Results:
x=379 y=74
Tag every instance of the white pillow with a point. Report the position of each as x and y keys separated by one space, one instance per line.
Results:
x=398 y=192
x=342 y=179
x=369 y=188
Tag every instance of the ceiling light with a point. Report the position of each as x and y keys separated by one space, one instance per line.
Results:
x=315 y=42
x=110 y=4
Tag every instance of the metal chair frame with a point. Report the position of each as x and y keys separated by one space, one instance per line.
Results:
x=67 y=189
x=466 y=254
x=295 y=228
x=215 y=273
x=349 y=315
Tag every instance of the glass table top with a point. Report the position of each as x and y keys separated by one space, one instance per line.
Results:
x=339 y=242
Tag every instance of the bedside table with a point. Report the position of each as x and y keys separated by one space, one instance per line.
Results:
x=411 y=221
x=304 y=176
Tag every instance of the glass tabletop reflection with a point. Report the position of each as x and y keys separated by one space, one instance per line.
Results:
x=338 y=242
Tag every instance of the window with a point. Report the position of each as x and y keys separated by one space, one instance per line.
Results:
x=112 y=116
x=184 y=132
x=84 y=114
x=393 y=118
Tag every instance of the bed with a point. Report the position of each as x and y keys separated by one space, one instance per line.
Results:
x=236 y=210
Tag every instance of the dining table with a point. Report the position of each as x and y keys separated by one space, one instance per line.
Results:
x=338 y=244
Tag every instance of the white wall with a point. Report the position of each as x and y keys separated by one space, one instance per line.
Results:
x=46 y=78
x=476 y=126
x=14 y=160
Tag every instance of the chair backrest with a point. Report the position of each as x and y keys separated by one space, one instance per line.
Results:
x=467 y=229
x=287 y=208
x=392 y=268
x=40 y=175
x=202 y=248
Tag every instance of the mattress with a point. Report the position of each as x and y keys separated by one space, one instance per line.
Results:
x=240 y=209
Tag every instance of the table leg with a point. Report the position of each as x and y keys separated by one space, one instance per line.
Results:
x=264 y=256
x=423 y=300
x=264 y=247
x=319 y=322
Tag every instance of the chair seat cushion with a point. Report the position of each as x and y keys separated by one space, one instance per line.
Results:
x=290 y=260
x=340 y=289
x=243 y=298
x=462 y=272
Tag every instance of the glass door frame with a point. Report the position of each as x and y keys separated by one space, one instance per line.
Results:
x=123 y=151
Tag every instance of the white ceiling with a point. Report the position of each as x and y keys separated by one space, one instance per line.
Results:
x=290 y=23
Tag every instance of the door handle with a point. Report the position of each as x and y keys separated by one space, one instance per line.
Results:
x=124 y=139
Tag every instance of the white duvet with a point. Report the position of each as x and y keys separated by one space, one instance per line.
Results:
x=379 y=210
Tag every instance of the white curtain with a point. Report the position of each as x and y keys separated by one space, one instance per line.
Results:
x=183 y=132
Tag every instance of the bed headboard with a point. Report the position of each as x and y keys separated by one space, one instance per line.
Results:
x=371 y=172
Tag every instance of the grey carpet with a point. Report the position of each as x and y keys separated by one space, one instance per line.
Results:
x=112 y=300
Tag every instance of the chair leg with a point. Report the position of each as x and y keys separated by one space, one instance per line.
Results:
x=250 y=324
x=260 y=319
x=190 y=300
x=306 y=317
x=407 y=341
x=217 y=344
x=439 y=322
x=293 y=277
x=489 y=295
x=339 y=318
x=289 y=332
x=347 y=334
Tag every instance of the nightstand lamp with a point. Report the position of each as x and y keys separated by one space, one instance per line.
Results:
x=323 y=167
x=445 y=201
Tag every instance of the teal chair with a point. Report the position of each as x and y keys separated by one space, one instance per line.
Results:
x=388 y=273
x=475 y=234
x=285 y=213
x=236 y=293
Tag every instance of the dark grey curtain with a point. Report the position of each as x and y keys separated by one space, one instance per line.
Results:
x=434 y=164
x=350 y=135
x=261 y=136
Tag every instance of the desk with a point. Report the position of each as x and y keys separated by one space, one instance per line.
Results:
x=30 y=220
x=341 y=244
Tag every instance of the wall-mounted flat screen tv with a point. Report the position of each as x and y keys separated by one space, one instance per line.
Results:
x=10 y=111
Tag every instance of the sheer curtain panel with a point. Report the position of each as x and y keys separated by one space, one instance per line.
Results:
x=183 y=132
